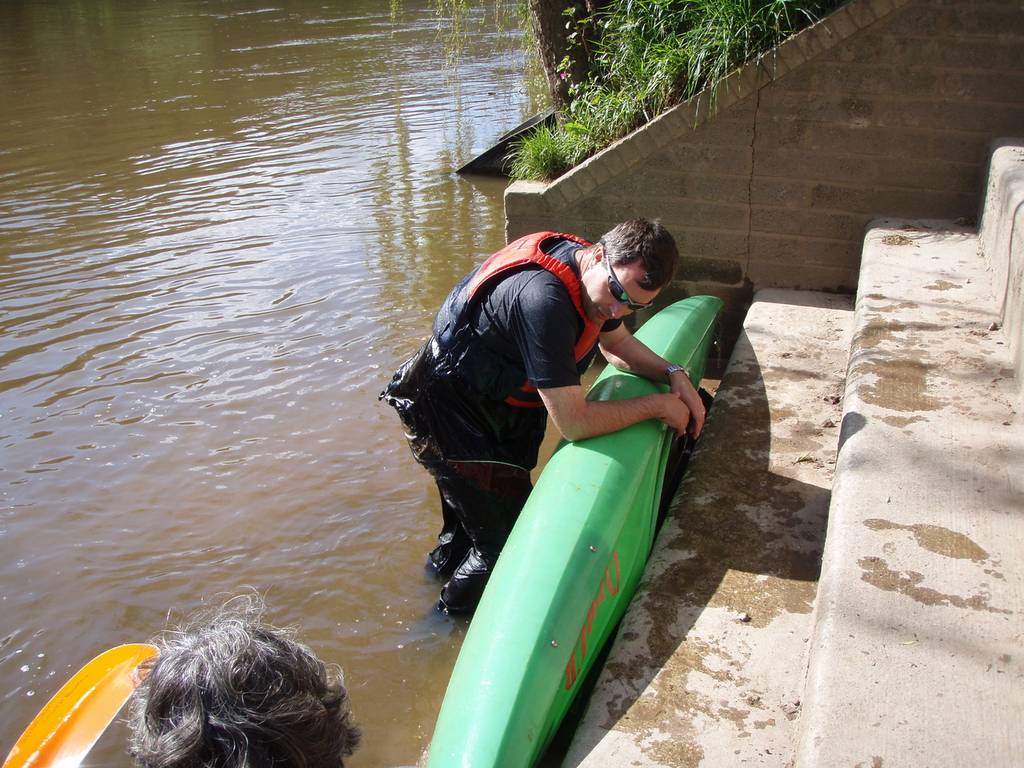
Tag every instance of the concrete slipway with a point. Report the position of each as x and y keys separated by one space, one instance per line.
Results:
x=839 y=580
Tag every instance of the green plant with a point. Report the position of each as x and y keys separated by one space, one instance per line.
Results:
x=545 y=154
x=651 y=54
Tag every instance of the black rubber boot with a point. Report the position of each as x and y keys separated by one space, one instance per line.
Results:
x=462 y=592
x=452 y=543
x=451 y=549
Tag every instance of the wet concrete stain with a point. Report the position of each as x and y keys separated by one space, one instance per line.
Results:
x=891 y=306
x=877 y=573
x=900 y=385
x=995 y=574
x=897 y=240
x=942 y=285
x=879 y=329
x=637 y=715
x=900 y=379
x=901 y=422
x=876 y=331
x=674 y=695
x=935 y=538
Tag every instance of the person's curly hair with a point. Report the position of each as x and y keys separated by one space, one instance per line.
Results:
x=231 y=691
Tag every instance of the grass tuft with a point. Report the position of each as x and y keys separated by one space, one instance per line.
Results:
x=545 y=154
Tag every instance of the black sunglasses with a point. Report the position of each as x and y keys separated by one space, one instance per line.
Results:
x=618 y=292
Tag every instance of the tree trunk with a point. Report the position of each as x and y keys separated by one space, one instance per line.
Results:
x=566 y=61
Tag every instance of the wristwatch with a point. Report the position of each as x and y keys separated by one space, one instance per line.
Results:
x=675 y=369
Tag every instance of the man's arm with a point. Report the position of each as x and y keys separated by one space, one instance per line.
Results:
x=623 y=350
x=578 y=418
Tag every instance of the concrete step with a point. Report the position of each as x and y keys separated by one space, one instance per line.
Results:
x=1002 y=244
x=707 y=667
x=918 y=650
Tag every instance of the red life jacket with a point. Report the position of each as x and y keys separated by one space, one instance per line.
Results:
x=526 y=250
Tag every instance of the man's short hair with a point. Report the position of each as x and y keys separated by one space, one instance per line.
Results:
x=647 y=242
x=230 y=691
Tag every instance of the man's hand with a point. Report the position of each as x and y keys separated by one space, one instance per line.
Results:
x=688 y=394
x=676 y=415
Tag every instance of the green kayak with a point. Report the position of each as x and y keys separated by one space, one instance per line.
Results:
x=568 y=571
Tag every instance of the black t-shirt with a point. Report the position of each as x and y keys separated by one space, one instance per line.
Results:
x=528 y=318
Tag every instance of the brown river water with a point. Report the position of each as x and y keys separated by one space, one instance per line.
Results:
x=223 y=223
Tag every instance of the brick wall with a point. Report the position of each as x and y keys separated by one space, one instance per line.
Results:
x=884 y=108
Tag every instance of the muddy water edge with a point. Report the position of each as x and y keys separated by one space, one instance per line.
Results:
x=222 y=225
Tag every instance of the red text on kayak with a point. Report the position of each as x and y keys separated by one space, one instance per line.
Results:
x=607 y=589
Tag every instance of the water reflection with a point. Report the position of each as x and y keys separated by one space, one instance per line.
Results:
x=222 y=224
